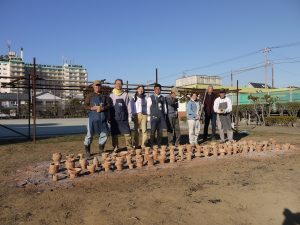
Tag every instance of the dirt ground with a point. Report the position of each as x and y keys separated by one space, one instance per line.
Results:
x=260 y=188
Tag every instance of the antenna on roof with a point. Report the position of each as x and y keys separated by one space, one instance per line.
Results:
x=8 y=43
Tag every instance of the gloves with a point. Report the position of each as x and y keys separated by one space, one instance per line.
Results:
x=148 y=118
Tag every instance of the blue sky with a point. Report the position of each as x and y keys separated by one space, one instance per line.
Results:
x=129 y=39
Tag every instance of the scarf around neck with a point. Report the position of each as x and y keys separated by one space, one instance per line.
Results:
x=117 y=92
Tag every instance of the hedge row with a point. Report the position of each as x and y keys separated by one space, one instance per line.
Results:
x=280 y=120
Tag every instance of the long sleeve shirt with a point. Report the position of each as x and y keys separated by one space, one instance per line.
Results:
x=138 y=106
x=223 y=103
x=123 y=96
x=149 y=103
x=192 y=109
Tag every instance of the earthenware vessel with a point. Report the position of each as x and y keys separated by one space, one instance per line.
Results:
x=55 y=177
x=222 y=151
x=150 y=161
x=162 y=158
x=147 y=150
x=234 y=148
x=83 y=163
x=164 y=147
x=229 y=149
x=74 y=172
x=130 y=166
x=106 y=165
x=245 y=149
x=172 y=150
x=138 y=151
x=104 y=155
x=91 y=168
x=128 y=159
x=96 y=162
x=277 y=147
x=180 y=152
x=81 y=155
x=172 y=158
x=259 y=147
x=189 y=156
x=53 y=168
x=205 y=150
x=155 y=154
x=119 y=163
x=139 y=162
x=251 y=148
x=56 y=157
x=198 y=151
x=286 y=146
x=155 y=147
x=292 y=147
x=70 y=163
x=215 y=151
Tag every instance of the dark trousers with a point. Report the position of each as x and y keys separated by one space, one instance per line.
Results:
x=156 y=127
x=213 y=118
x=173 y=130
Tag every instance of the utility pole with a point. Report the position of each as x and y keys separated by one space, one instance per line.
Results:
x=231 y=78
x=273 y=76
x=156 y=76
x=266 y=51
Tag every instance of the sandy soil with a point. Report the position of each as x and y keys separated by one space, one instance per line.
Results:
x=253 y=189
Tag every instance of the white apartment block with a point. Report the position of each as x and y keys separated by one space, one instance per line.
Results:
x=198 y=79
x=51 y=78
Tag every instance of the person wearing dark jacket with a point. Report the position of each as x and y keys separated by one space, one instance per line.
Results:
x=172 y=117
x=210 y=115
x=97 y=104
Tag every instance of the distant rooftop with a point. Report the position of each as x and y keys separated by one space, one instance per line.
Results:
x=258 y=85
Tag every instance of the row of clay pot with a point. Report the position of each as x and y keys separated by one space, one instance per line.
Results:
x=70 y=165
x=149 y=156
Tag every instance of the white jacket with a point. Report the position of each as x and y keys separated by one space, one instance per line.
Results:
x=138 y=106
x=220 y=100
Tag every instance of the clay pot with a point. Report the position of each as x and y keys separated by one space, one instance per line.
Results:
x=292 y=147
x=229 y=149
x=164 y=148
x=265 y=145
x=286 y=147
x=222 y=151
x=150 y=161
x=172 y=158
x=96 y=162
x=198 y=151
x=277 y=147
x=259 y=147
x=119 y=166
x=139 y=162
x=69 y=164
x=106 y=165
x=81 y=155
x=138 y=151
x=234 y=148
x=147 y=151
x=155 y=154
x=74 y=172
x=205 y=150
x=172 y=150
x=180 y=152
x=189 y=156
x=56 y=157
x=215 y=151
x=251 y=148
x=130 y=166
x=128 y=159
x=83 y=163
x=55 y=177
x=162 y=159
x=104 y=155
x=245 y=149
x=53 y=168
x=155 y=147
x=91 y=168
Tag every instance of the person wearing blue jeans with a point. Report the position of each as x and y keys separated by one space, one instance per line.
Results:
x=98 y=106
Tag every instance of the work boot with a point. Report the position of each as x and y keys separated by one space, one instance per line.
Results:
x=88 y=150
x=101 y=148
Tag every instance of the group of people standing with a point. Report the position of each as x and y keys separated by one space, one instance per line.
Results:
x=118 y=109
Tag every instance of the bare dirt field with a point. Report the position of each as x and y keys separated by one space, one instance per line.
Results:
x=259 y=188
